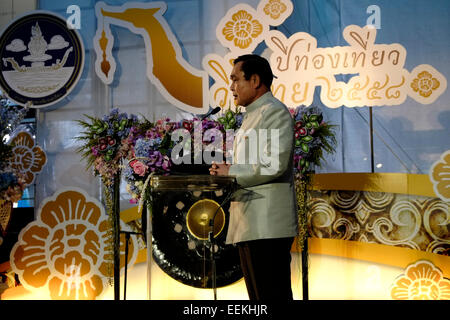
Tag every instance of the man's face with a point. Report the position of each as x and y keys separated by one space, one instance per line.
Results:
x=244 y=91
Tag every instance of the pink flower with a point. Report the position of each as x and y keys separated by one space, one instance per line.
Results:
x=302 y=131
x=139 y=168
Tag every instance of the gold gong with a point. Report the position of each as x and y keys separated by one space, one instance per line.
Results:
x=199 y=215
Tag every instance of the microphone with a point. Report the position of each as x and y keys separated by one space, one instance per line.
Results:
x=210 y=112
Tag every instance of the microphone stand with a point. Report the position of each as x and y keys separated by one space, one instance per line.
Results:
x=213 y=262
x=211 y=243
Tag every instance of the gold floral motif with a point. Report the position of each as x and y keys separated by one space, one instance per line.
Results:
x=28 y=158
x=66 y=249
x=440 y=176
x=274 y=8
x=425 y=84
x=421 y=281
x=243 y=29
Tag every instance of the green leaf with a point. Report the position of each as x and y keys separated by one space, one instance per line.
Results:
x=307 y=138
x=304 y=147
x=222 y=120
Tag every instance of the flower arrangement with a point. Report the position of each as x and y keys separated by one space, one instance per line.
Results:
x=105 y=146
x=150 y=146
x=12 y=183
x=105 y=142
x=312 y=137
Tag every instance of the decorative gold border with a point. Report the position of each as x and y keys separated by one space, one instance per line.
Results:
x=417 y=184
x=373 y=252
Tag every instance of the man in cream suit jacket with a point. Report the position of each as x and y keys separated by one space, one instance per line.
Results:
x=263 y=218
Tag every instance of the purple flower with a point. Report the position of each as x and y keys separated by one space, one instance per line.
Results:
x=239 y=119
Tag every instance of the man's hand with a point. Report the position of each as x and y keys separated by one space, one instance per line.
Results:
x=219 y=169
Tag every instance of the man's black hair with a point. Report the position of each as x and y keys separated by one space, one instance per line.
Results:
x=254 y=64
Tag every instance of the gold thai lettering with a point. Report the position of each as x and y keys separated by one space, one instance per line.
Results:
x=278 y=42
x=372 y=92
x=298 y=62
x=223 y=102
x=296 y=92
x=352 y=93
x=215 y=65
x=397 y=93
x=281 y=87
x=346 y=61
x=333 y=94
x=396 y=59
x=334 y=64
x=375 y=54
x=318 y=61
x=376 y=71
x=356 y=57
x=358 y=38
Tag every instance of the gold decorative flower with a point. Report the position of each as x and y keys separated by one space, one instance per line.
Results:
x=274 y=8
x=425 y=84
x=440 y=176
x=242 y=29
x=421 y=281
x=66 y=249
x=28 y=159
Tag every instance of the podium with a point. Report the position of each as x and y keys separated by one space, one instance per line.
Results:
x=186 y=225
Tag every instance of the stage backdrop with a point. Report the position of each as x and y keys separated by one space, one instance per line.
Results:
x=386 y=82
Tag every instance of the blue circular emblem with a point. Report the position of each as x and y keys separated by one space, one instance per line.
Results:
x=41 y=59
